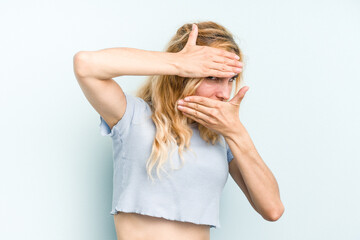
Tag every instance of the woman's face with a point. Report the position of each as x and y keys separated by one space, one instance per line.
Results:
x=216 y=88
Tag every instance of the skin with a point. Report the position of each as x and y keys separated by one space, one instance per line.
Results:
x=132 y=226
x=247 y=168
x=128 y=225
x=216 y=88
x=208 y=107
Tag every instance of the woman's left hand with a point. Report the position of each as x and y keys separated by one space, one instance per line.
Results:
x=219 y=116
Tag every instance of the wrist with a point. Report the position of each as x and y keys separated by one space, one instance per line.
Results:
x=236 y=129
x=173 y=63
x=239 y=134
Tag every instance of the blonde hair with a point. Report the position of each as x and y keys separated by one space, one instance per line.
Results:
x=161 y=92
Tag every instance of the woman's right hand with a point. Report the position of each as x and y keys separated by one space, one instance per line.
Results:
x=203 y=61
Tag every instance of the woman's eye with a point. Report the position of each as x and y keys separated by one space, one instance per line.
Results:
x=216 y=79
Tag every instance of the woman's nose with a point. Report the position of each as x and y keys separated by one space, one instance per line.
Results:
x=224 y=92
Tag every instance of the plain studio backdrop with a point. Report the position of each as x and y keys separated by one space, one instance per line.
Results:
x=302 y=112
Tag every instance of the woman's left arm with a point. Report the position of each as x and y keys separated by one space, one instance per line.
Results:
x=255 y=178
x=259 y=180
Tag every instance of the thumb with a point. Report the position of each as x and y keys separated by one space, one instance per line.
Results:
x=193 y=35
x=240 y=95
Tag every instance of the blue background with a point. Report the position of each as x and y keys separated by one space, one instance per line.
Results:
x=302 y=112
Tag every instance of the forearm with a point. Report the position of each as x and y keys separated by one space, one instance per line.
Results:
x=260 y=182
x=113 y=62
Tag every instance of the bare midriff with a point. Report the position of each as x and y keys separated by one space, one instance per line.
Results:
x=133 y=226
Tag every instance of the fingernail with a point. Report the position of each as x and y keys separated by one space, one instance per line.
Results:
x=237 y=57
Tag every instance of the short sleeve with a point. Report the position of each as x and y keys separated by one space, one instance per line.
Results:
x=229 y=153
x=124 y=123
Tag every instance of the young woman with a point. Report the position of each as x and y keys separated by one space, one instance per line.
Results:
x=195 y=142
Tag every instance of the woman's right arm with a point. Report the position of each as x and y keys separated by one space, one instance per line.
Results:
x=94 y=71
x=113 y=62
x=192 y=61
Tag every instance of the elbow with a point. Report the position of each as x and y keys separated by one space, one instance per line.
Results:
x=80 y=61
x=275 y=214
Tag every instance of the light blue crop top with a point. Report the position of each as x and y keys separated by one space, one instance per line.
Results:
x=189 y=194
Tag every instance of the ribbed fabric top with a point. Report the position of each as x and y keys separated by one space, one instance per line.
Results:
x=188 y=194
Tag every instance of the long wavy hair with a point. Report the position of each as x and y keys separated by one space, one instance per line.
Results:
x=161 y=92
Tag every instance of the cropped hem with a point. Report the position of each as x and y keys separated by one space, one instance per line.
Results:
x=142 y=212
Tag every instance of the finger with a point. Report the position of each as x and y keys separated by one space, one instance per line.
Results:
x=240 y=95
x=228 y=61
x=203 y=101
x=196 y=115
x=245 y=91
x=193 y=35
x=221 y=74
x=195 y=107
x=195 y=119
x=224 y=53
x=225 y=68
